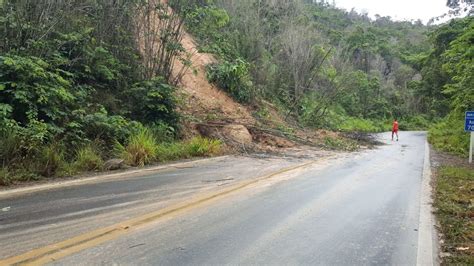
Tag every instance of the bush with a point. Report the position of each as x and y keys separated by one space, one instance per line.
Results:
x=50 y=160
x=417 y=122
x=5 y=177
x=153 y=101
x=194 y=147
x=232 y=77
x=162 y=132
x=141 y=148
x=448 y=135
x=351 y=124
x=88 y=159
x=200 y=146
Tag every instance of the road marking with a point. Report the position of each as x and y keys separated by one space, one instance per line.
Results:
x=96 y=237
x=426 y=250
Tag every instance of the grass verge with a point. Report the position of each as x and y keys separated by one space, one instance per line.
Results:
x=454 y=202
x=145 y=146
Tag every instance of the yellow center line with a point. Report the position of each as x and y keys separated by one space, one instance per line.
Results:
x=96 y=237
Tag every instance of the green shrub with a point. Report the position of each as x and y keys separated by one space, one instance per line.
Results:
x=448 y=135
x=141 y=148
x=11 y=144
x=200 y=146
x=195 y=147
x=88 y=159
x=5 y=177
x=50 y=160
x=417 y=122
x=162 y=132
x=153 y=101
x=171 y=151
x=351 y=124
x=232 y=77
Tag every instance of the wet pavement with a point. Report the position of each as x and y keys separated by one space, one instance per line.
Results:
x=354 y=210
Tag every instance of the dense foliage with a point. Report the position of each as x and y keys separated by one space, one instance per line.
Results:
x=74 y=82
x=82 y=81
x=448 y=76
x=315 y=61
x=341 y=70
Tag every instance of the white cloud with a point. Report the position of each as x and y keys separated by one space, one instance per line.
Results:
x=398 y=9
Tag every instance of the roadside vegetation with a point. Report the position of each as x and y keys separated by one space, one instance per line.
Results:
x=448 y=72
x=454 y=208
x=339 y=70
x=321 y=65
x=75 y=84
x=82 y=83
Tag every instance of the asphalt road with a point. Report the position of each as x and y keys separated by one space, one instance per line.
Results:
x=356 y=209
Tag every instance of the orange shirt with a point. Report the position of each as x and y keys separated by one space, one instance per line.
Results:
x=395 y=126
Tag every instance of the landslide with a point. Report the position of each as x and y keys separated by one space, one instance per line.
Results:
x=209 y=111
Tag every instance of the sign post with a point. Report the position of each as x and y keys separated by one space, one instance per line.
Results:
x=469 y=127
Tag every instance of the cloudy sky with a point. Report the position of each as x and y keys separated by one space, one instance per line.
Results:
x=397 y=9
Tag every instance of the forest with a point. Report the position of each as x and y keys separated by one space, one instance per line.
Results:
x=85 y=81
x=341 y=70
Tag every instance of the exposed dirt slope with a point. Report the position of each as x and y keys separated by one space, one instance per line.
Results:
x=203 y=100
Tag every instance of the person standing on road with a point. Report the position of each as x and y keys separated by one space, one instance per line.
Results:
x=395 y=129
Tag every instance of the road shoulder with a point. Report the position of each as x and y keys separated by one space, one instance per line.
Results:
x=427 y=235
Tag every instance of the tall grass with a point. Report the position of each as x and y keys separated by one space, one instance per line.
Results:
x=145 y=146
x=140 y=148
x=88 y=159
x=10 y=144
x=195 y=147
x=50 y=160
x=5 y=178
x=200 y=146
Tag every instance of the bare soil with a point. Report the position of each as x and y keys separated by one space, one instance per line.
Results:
x=203 y=100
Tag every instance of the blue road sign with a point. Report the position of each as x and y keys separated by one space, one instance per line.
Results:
x=469 y=125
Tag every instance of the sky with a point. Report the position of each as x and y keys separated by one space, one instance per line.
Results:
x=397 y=9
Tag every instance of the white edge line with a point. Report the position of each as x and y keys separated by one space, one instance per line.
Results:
x=427 y=240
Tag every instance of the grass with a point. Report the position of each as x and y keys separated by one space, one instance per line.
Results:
x=50 y=160
x=454 y=201
x=143 y=148
x=5 y=177
x=140 y=148
x=195 y=147
x=448 y=135
x=88 y=159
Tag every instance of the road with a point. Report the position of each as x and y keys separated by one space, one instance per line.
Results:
x=337 y=209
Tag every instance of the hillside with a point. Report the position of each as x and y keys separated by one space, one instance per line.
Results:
x=204 y=101
x=85 y=83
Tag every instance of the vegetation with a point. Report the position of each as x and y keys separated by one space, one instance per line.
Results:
x=76 y=78
x=340 y=70
x=448 y=72
x=88 y=158
x=454 y=210
x=312 y=58
x=81 y=82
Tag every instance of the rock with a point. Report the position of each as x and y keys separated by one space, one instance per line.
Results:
x=237 y=133
x=114 y=164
